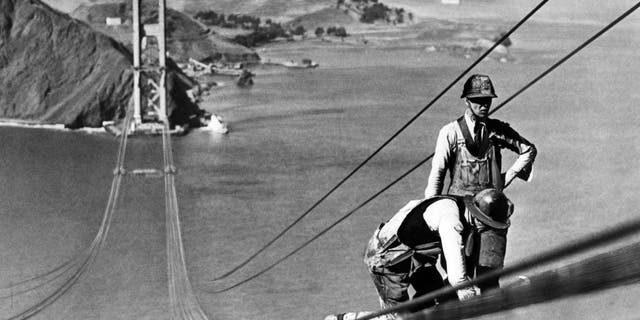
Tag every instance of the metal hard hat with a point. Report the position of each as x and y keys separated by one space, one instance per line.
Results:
x=478 y=86
x=491 y=207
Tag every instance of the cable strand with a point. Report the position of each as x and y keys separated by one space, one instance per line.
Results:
x=406 y=125
x=582 y=46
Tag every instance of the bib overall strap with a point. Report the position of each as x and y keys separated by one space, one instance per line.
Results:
x=475 y=148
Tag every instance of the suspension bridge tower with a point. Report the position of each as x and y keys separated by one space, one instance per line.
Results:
x=149 y=58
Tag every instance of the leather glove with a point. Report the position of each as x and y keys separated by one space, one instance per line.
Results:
x=468 y=293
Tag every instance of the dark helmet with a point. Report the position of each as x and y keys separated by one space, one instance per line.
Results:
x=478 y=86
x=491 y=207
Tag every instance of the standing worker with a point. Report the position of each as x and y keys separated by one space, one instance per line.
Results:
x=470 y=149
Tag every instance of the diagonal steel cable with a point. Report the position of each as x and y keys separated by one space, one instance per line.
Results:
x=306 y=243
x=608 y=270
x=45 y=278
x=568 y=56
x=183 y=302
x=620 y=231
x=498 y=107
x=406 y=125
x=51 y=298
x=96 y=244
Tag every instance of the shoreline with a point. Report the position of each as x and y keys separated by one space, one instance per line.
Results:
x=32 y=124
x=427 y=35
x=217 y=127
x=25 y=124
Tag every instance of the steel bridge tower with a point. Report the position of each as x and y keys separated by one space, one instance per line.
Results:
x=149 y=39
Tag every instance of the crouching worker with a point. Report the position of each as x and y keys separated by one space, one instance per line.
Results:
x=403 y=252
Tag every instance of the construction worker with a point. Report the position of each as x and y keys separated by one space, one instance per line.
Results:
x=470 y=149
x=404 y=251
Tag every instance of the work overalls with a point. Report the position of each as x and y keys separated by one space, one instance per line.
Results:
x=404 y=252
x=478 y=167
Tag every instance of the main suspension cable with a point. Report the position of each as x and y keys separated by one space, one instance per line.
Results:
x=571 y=54
x=86 y=259
x=620 y=231
x=341 y=182
x=306 y=243
x=527 y=86
x=183 y=302
x=611 y=269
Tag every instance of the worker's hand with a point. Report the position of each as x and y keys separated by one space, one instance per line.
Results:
x=468 y=293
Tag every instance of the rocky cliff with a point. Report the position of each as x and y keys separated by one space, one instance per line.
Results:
x=55 y=69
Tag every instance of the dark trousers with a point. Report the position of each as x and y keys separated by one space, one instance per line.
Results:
x=487 y=285
x=392 y=283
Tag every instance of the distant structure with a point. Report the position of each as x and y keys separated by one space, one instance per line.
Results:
x=113 y=21
x=157 y=98
x=451 y=1
x=245 y=79
x=149 y=98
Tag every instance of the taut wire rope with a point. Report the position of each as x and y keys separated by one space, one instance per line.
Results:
x=183 y=302
x=416 y=116
x=55 y=273
x=578 y=246
x=98 y=241
x=544 y=73
x=610 y=269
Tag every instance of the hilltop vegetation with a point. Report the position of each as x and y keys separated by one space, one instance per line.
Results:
x=325 y=17
x=281 y=10
x=212 y=18
x=259 y=31
x=186 y=38
x=248 y=23
x=371 y=11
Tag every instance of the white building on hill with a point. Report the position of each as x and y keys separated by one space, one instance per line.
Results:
x=113 y=21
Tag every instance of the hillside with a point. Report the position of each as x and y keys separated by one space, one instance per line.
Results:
x=57 y=70
x=323 y=18
x=281 y=9
x=186 y=38
x=277 y=9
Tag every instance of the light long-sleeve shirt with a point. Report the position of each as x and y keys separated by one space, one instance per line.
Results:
x=501 y=135
x=443 y=216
